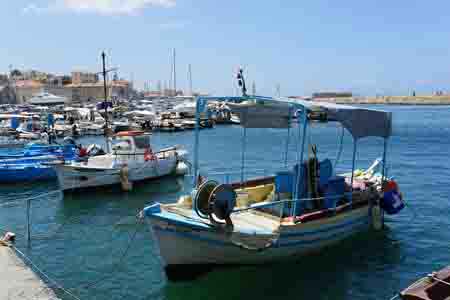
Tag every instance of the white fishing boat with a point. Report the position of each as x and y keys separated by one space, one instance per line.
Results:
x=131 y=160
x=299 y=210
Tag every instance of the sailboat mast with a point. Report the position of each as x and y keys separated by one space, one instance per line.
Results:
x=174 y=72
x=190 y=80
x=105 y=89
x=105 y=103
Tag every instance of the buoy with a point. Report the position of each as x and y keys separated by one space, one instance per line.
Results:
x=126 y=184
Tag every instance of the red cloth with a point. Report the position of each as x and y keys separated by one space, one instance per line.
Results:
x=82 y=152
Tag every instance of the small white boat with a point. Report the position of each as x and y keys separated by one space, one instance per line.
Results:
x=131 y=160
x=47 y=99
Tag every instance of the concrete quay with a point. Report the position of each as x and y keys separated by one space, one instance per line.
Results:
x=393 y=100
x=18 y=281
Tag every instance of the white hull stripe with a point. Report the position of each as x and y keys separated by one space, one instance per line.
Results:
x=194 y=236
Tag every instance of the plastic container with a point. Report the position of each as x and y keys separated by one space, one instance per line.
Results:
x=283 y=182
x=334 y=189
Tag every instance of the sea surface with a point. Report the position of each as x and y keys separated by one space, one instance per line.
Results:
x=93 y=245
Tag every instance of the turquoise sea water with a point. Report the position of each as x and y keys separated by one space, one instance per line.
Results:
x=92 y=244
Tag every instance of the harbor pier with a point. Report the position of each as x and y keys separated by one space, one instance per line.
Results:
x=18 y=281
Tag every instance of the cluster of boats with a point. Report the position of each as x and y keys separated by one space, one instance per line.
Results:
x=26 y=122
x=295 y=211
x=130 y=159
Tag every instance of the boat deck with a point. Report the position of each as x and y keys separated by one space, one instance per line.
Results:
x=251 y=222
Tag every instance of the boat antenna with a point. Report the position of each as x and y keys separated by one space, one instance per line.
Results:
x=241 y=82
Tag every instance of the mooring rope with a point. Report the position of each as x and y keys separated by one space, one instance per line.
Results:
x=59 y=286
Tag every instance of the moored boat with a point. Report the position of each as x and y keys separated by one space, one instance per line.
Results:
x=434 y=286
x=283 y=216
x=131 y=160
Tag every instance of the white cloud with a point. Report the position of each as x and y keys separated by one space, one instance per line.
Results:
x=103 y=7
x=32 y=9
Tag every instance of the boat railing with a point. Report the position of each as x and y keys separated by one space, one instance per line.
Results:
x=237 y=176
x=285 y=201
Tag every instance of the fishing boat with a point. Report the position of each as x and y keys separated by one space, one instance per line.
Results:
x=434 y=286
x=295 y=211
x=131 y=160
x=34 y=167
x=38 y=150
x=26 y=172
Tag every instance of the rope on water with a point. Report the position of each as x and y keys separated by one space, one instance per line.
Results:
x=433 y=276
x=116 y=265
x=59 y=286
x=395 y=297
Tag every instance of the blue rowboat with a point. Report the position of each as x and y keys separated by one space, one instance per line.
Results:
x=30 y=150
x=10 y=173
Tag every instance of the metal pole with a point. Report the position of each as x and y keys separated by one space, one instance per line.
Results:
x=300 y=159
x=383 y=173
x=174 y=72
x=353 y=166
x=190 y=80
x=28 y=222
x=288 y=138
x=105 y=101
x=244 y=142
x=384 y=170
x=197 y=140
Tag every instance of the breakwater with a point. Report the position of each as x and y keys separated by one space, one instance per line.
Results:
x=394 y=100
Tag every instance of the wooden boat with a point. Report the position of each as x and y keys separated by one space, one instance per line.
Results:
x=435 y=286
x=280 y=217
x=131 y=160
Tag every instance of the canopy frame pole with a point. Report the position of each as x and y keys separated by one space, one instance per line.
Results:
x=288 y=138
x=355 y=143
x=341 y=146
x=244 y=144
x=383 y=173
x=197 y=141
x=298 y=176
x=384 y=169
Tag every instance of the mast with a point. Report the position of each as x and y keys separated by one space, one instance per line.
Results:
x=174 y=72
x=190 y=80
x=105 y=102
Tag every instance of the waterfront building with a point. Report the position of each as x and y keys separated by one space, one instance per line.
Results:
x=84 y=77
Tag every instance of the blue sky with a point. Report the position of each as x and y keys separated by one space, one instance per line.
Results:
x=369 y=47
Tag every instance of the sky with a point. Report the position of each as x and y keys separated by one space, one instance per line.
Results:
x=367 y=47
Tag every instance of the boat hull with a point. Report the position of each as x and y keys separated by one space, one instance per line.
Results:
x=182 y=245
x=13 y=174
x=76 y=176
